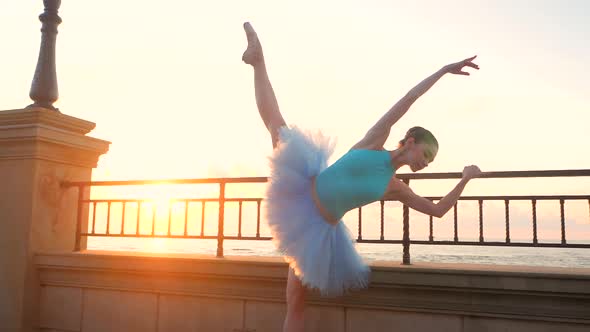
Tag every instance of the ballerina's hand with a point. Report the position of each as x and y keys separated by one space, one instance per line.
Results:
x=471 y=172
x=457 y=67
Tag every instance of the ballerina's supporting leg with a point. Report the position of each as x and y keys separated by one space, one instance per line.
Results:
x=265 y=96
x=294 y=320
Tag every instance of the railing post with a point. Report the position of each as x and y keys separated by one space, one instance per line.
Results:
x=382 y=220
x=480 y=204
x=44 y=90
x=455 y=223
x=221 y=219
x=202 y=218
x=562 y=218
x=507 y=213
x=360 y=228
x=430 y=236
x=406 y=231
x=240 y=220
x=534 y=203
x=258 y=218
x=79 y=218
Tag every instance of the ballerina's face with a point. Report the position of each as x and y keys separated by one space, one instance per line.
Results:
x=420 y=155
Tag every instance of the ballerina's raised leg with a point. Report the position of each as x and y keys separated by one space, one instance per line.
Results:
x=273 y=120
x=265 y=96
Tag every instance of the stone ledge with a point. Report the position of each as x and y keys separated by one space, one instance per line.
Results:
x=39 y=115
x=38 y=133
x=529 y=293
x=186 y=263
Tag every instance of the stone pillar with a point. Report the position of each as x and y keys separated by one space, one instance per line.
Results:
x=39 y=148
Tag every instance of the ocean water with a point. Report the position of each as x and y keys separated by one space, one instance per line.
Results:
x=554 y=257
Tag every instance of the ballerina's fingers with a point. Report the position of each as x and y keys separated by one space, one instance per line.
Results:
x=471 y=64
x=470 y=59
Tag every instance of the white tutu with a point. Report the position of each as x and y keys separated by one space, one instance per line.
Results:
x=322 y=255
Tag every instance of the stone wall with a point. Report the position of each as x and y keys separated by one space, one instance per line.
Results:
x=118 y=291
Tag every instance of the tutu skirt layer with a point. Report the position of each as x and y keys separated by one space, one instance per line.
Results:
x=322 y=255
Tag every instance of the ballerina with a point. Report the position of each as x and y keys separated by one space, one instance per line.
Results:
x=306 y=199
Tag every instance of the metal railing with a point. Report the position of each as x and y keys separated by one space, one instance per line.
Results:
x=221 y=200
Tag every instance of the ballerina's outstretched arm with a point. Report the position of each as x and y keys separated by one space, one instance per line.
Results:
x=378 y=134
x=400 y=191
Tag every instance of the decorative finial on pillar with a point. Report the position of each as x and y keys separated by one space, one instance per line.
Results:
x=44 y=90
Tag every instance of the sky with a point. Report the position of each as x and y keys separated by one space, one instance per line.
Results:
x=164 y=81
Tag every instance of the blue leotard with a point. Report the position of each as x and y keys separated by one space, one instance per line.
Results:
x=359 y=177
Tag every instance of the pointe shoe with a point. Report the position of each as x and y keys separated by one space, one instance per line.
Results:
x=253 y=53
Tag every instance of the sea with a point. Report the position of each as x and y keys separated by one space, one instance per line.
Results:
x=494 y=255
